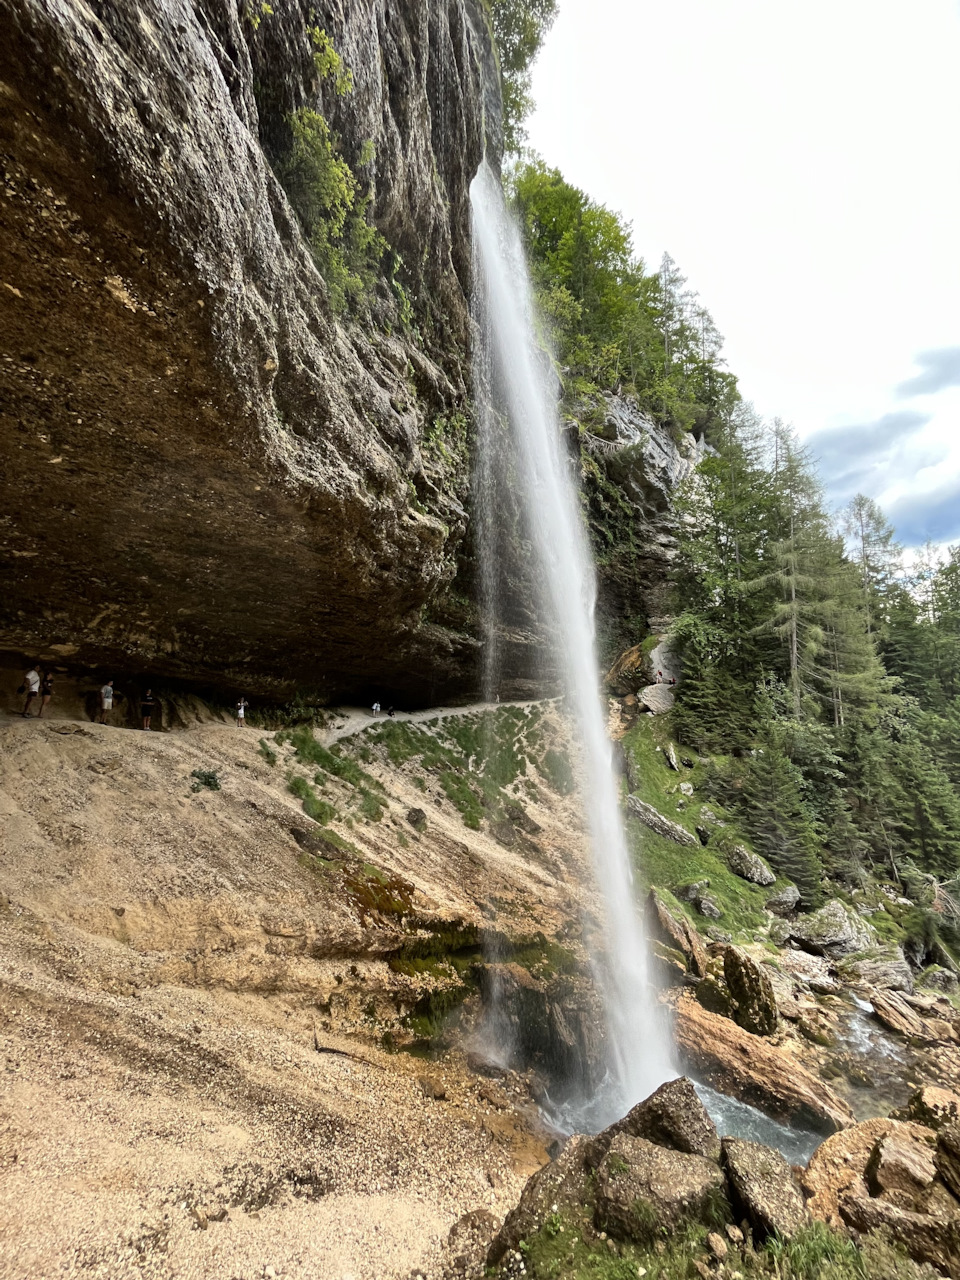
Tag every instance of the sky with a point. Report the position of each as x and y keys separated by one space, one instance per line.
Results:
x=801 y=164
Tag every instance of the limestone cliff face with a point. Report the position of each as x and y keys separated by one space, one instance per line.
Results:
x=205 y=471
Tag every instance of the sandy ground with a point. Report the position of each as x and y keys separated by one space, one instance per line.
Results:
x=191 y=1084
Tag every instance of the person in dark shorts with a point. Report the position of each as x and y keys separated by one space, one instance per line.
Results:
x=148 y=705
x=46 y=692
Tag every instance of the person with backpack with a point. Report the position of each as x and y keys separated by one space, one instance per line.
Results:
x=106 y=701
x=46 y=692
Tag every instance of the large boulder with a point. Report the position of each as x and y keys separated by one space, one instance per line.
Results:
x=890 y=974
x=832 y=931
x=754 y=1000
x=748 y=1067
x=762 y=1184
x=643 y=1190
x=937 y=979
x=677 y=932
x=672 y=1117
x=838 y=1167
x=784 y=901
x=931 y=1106
x=900 y=1169
x=948 y=1155
x=926 y=1237
x=750 y=866
x=894 y=1012
x=655 y=820
x=657 y=698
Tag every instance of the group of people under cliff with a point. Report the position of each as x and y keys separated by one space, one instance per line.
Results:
x=36 y=685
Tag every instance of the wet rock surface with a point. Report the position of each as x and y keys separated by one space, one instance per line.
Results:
x=673 y=1117
x=676 y=931
x=748 y=1067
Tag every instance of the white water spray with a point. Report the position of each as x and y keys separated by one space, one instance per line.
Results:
x=513 y=377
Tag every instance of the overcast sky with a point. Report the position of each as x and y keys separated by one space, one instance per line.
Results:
x=801 y=163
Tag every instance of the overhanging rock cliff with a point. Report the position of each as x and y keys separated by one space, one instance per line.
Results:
x=206 y=472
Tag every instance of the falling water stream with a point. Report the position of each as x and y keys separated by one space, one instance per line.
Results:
x=520 y=442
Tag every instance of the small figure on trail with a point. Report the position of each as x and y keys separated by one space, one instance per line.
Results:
x=147 y=705
x=241 y=709
x=673 y=679
x=376 y=709
x=31 y=687
x=659 y=677
x=46 y=692
x=106 y=701
x=390 y=712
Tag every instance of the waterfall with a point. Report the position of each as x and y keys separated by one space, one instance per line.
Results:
x=520 y=445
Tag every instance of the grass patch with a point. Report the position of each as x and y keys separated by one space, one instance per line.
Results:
x=665 y=865
x=267 y=752
x=205 y=780
x=566 y=1248
x=315 y=808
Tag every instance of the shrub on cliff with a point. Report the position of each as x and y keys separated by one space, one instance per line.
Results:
x=326 y=194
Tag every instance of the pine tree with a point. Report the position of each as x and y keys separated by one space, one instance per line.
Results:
x=873 y=550
x=779 y=823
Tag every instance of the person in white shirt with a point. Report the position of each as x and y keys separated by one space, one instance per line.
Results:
x=106 y=701
x=31 y=685
x=241 y=711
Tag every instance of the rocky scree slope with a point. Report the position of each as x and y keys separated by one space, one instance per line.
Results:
x=238 y=1035
x=219 y=476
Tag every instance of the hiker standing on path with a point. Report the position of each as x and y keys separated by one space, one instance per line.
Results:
x=46 y=692
x=376 y=710
x=106 y=701
x=241 y=709
x=147 y=704
x=31 y=687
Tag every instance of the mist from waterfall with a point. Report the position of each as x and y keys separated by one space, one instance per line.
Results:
x=521 y=456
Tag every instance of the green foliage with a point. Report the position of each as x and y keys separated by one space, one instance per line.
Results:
x=267 y=752
x=558 y=771
x=826 y=676
x=328 y=64
x=313 y=806
x=609 y=321
x=327 y=198
x=254 y=13
x=664 y=863
x=519 y=28
x=205 y=780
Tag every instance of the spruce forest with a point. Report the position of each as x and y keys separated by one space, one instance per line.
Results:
x=820 y=664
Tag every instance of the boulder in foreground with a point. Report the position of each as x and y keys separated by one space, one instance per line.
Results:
x=763 y=1185
x=644 y=1190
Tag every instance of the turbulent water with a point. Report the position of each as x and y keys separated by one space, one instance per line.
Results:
x=520 y=446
